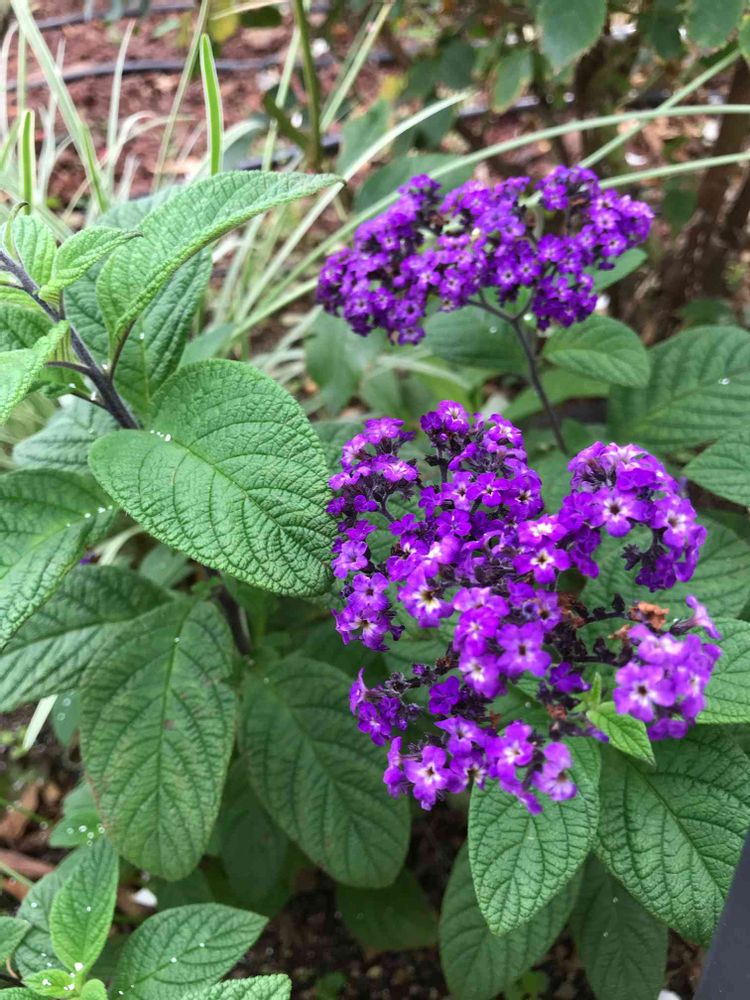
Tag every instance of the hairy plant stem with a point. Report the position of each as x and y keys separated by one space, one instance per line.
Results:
x=111 y=399
x=517 y=325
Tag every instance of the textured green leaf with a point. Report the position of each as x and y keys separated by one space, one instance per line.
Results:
x=156 y=703
x=625 y=264
x=82 y=910
x=673 y=834
x=477 y=963
x=80 y=252
x=711 y=22
x=475 y=338
x=513 y=71
x=625 y=733
x=699 y=389
x=21 y=327
x=258 y=988
x=51 y=983
x=35 y=245
x=51 y=650
x=35 y=952
x=728 y=691
x=12 y=933
x=721 y=579
x=175 y=953
x=602 y=348
x=724 y=468
x=622 y=947
x=396 y=918
x=231 y=474
x=157 y=340
x=183 y=225
x=64 y=441
x=80 y=824
x=19 y=370
x=520 y=861
x=322 y=785
x=94 y=989
x=569 y=29
x=47 y=518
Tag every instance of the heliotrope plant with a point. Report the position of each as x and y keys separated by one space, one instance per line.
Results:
x=469 y=551
x=534 y=250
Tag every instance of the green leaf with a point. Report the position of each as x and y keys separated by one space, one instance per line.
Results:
x=722 y=577
x=82 y=910
x=156 y=703
x=337 y=359
x=559 y=386
x=157 y=340
x=12 y=933
x=622 y=947
x=396 y=918
x=625 y=264
x=51 y=983
x=21 y=326
x=360 y=132
x=231 y=473
x=711 y=22
x=520 y=861
x=477 y=963
x=472 y=337
x=80 y=252
x=333 y=435
x=183 y=225
x=258 y=988
x=568 y=30
x=94 y=989
x=19 y=370
x=80 y=824
x=35 y=245
x=673 y=834
x=51 y=650
x=625 y=733
x=64 y=441
x=513 y=71
x=699 y=389
x=181 y=950
x=728 y=691
x=724 y=468
x=47 y=518
x=322 y=786
x=602 y=348
x=35 y=952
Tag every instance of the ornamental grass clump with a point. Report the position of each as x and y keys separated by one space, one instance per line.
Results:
x=461 y=544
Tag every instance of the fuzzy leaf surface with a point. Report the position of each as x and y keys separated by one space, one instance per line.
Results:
x=232 y=474
x=625 y=733
x=257 y=988
x=520 y=861
x=47 y=518
x=323 y=788
x=699 y=389
x=21 y=326
x=479 y=964
x=673 y=834
x=12 y=933
x=80 y=252
x=601 y=348
x=176 y=230
x=178 y=951
x=65 y=440
x=724 y=468
x=82 y=910
x=50 y=651
x=728 y=691
x=623 y=948
x=35 y=951
x=156 y=703
x=35 y=245
x=20 y=369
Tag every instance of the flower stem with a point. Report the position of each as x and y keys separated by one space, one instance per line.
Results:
x=516 y=324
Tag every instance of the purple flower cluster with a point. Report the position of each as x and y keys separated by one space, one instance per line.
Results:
x=469 y=551
x=427 y=250
x=664 y=682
